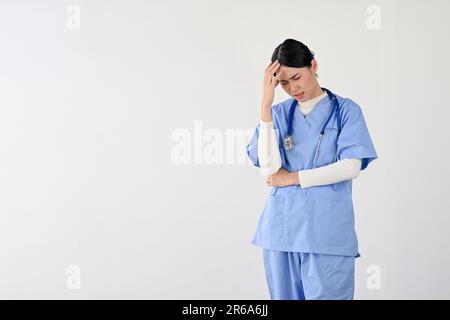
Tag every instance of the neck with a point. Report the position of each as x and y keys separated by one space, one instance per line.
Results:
x=317 y=92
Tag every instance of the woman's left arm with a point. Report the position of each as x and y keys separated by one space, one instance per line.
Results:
x=335 y=172
x=338 y=171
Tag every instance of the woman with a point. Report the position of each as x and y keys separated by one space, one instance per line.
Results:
x=310 y=147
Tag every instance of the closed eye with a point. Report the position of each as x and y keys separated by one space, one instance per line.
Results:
x=284 y=82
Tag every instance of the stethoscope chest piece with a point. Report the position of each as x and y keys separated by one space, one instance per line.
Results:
x=288 y=143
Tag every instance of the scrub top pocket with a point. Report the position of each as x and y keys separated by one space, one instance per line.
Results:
x=333 y=225
x=275 y=218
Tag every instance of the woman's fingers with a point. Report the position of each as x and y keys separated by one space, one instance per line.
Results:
x=275 y=82
x=271 y=65
x=270 y=76
x=273 y=73
x=269 y=181
x=274 y=67
x=269 y=71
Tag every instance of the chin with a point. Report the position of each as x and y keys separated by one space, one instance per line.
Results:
x=303 y=99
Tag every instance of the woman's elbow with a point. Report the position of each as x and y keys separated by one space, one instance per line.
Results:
x=356 y=170
x=267 y=171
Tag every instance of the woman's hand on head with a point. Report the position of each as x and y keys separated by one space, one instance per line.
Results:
x=282 y=178
x=270 y=83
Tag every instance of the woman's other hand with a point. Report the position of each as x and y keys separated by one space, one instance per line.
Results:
x=282 y=178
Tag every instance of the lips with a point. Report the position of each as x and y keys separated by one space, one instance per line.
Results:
x=299 y=96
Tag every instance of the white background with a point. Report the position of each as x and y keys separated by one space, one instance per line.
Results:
x=87 y=176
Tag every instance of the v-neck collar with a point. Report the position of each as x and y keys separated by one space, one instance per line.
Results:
x=317 y=116
x=308 y=106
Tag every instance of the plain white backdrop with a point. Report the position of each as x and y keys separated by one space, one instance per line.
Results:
x=92 y=93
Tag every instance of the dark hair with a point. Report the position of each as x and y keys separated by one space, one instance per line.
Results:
x=293 y=53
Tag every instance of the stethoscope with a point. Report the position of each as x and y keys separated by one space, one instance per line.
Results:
x=289 y=141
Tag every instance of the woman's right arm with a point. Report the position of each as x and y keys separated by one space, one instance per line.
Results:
x=268 y=152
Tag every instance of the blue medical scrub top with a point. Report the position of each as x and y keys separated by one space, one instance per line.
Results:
x=317 y=219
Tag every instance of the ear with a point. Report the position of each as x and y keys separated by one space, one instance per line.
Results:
x=314 y=66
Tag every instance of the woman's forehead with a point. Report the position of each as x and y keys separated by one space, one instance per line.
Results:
x=285 y=73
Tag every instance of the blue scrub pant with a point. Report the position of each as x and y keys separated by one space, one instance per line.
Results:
x=308 y=276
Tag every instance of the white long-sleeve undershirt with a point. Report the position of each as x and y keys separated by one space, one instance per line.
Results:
x=270 y=160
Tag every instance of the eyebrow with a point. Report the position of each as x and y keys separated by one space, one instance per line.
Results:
x=292 y=76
